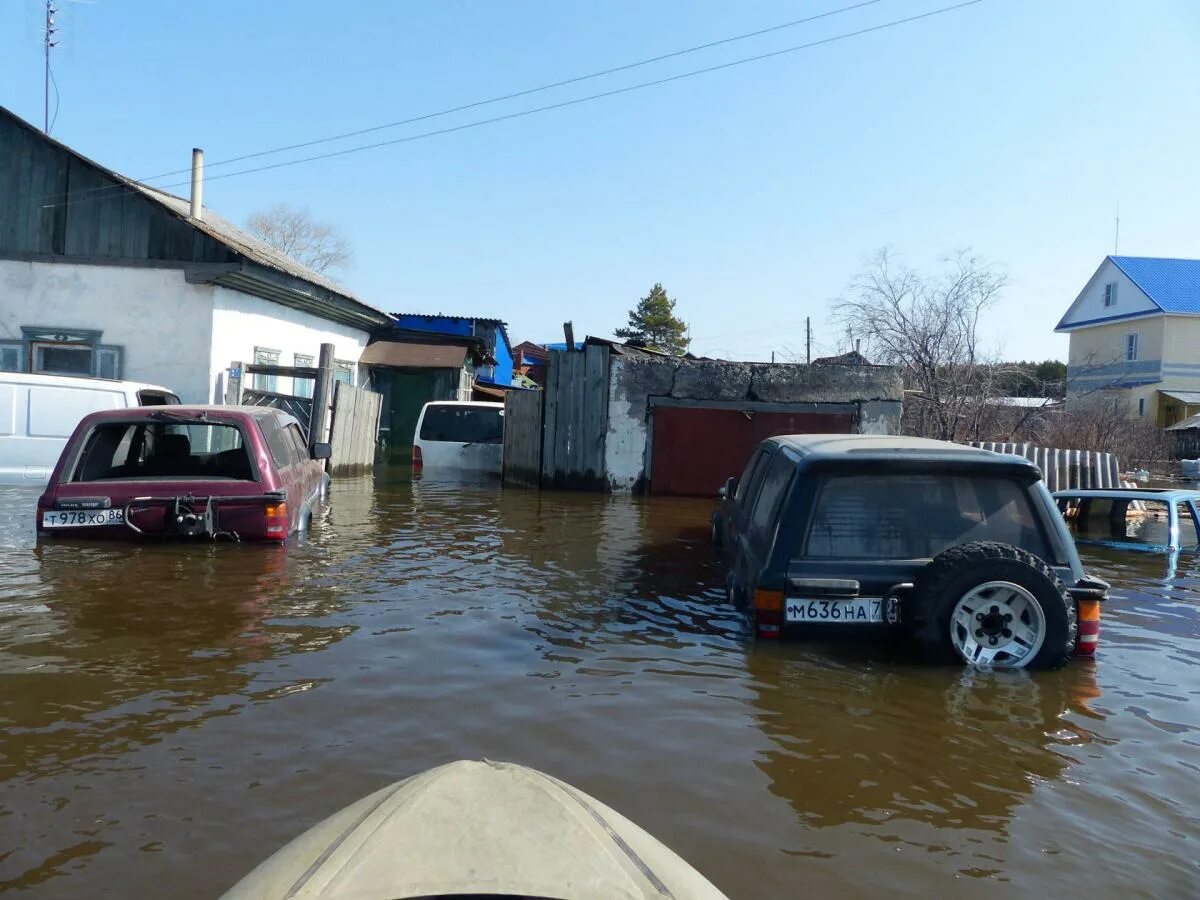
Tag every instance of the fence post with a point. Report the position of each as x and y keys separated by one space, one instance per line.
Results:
x=233 y=383
x=322 y=388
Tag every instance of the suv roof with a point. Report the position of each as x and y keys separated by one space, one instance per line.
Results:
x=854 y=449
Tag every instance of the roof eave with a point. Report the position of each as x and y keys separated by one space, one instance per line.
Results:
x=287 y=290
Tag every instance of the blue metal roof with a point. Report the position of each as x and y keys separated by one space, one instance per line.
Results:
x=1173 y=284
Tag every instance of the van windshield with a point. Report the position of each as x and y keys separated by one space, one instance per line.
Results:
x=164 y=450
x=463 y=424
x=919 y=516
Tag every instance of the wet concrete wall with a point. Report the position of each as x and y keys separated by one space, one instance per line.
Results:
x=874 y=393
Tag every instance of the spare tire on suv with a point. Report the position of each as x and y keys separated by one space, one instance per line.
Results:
x=990 y=604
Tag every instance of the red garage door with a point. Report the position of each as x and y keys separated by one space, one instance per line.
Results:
x=695 y=449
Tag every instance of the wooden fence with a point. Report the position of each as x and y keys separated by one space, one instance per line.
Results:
x=354 y=428
x=576 y=419
x=523 y=438
x=1065 y=469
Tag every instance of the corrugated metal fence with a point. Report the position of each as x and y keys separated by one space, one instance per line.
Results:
x=1065 y=469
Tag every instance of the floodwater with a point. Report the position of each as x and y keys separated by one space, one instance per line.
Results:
x=173 y=714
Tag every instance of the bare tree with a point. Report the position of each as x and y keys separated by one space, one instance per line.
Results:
x=295 y=233
x=929 y=327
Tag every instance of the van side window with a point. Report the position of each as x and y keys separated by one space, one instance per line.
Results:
x=752 y=467
x=774 y=486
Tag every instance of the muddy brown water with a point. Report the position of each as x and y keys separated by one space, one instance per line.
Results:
x=173 y=714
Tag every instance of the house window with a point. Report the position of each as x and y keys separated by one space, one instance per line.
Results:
x=1110 y=294
x=302 y=387
x=1131 y=347
x=10 y=356
x=265 y=357
x=1141 y=406
x=343 y=371
x=61 y=352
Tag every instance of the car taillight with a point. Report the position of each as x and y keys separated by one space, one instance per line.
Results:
x=418 y=462
x=1089 y=627
x=277 y=519
x=768 y=613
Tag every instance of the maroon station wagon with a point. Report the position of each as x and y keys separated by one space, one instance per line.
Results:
x=216 y=472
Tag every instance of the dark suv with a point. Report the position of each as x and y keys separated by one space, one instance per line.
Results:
x=962 y=549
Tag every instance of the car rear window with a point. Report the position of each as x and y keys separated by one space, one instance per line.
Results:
x=463 y=424
x=165 y=450
x=918 y=516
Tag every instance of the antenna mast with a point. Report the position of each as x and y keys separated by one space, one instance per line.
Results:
x=50 y=42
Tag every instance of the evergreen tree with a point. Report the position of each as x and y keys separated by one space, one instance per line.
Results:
x=654 y=324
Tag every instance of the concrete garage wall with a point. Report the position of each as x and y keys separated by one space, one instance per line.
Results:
x=636 y=384
x=162 y=324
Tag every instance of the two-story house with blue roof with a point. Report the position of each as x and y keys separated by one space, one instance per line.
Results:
x=1135 y=328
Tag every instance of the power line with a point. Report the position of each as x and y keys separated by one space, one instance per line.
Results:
x=528 y=91
x=585 y=99
x=512 y=96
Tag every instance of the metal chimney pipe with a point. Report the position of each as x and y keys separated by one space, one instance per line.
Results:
x=197 y=210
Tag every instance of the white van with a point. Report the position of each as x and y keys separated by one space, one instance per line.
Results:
x=39 y=412
x=459 y=435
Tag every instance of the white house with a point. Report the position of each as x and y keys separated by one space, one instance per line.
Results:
x=102 y=275
x=1135 y=330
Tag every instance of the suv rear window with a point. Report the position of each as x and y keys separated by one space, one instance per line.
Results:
x=167 y=450
x=918 y=516
x=463 y=425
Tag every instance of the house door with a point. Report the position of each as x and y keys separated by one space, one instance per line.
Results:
x=695 y=449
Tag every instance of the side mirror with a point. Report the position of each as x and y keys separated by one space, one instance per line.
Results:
x=322 y=451
x=729 y=488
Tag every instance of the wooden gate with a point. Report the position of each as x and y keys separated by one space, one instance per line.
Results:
x=694 y=449
x=576 y=419
x=523 y=438
x=300 y=407
x=354 y=428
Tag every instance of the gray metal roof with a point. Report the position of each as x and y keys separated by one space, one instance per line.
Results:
x=1186 y=425
x=247 y=244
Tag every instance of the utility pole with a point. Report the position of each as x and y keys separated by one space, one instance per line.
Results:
x=808 y=339
x=50 y=42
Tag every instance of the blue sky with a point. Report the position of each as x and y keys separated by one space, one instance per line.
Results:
x=1013 y=127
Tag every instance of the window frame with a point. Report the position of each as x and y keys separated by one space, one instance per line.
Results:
x=267 y=383
x=1110 y=295
x=1131 y=344
x=105 y=361
x=343 y=367
x=303 y=387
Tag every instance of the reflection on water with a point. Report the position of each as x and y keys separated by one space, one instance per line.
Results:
x=178 y=712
